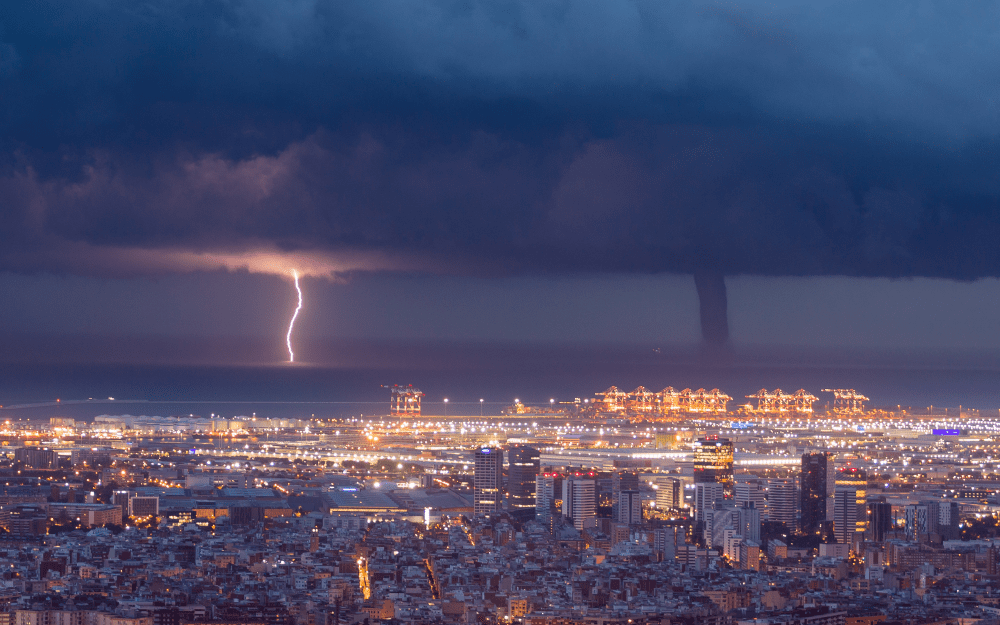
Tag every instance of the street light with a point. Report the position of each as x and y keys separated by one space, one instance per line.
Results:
x=480 y=407
x=445 y=407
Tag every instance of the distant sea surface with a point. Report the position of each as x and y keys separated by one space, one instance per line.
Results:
x=351 y=383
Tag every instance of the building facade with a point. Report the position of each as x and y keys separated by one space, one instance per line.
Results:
x=488 y=480
x=813 y=491
x=849 y=513
x=629 y=507
x=752 y=490
x=879 y=514
x=622 y=480
x=579 y=500
x=523 y=467
x=782 y=502
x=713 y=462
x=36 y=458
x=669 y=493
x=705 y=496
x=545 y=496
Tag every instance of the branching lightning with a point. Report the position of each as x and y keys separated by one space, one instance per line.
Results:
x=291 y=324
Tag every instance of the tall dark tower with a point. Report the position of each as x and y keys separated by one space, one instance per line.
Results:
x=524 y=466
x=813 y=494
x=879 y=519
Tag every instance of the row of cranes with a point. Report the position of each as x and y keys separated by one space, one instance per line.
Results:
x=670 y=400
x=778 y=401
x=847 y=400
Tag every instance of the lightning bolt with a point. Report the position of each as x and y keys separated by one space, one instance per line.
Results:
x=291 y=324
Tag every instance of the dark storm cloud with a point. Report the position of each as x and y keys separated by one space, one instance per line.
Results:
x=503 y=137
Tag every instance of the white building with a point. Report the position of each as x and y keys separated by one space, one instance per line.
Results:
x=545 y=496
x=579 y=500
x=705 y=495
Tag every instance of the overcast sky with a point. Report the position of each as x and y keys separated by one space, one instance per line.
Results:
x=539 y=170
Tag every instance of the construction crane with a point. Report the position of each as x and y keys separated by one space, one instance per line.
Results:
x=667 y=401
x=613 y=399
x=778 y=401
x=847 y=400
x=404 y=400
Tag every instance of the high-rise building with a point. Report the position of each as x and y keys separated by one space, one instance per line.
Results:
x=523 y=466
x=851 y=477
x=752 y=490
x=629 y=507
x=120 y=498
x=621 y=480
x=579 y=499
x=545 y=496
x=948 y=521
x=849 y=513
x=488 y=480
x=846 y=514
x=813 y=492
x=750 y=522
x=713 y=462
x=725 y=517
x=742 y=521
x=669 y=493
x=922 y=519
x=667 y=539
x=782 y=502
x=705 y=496
x=879 y=519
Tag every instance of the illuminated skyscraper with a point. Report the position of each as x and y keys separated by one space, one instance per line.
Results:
x=488 y=480
x=852 y=477
x=813 y=493
x=849 y=513
x=669 y=493
x=523 y=467
x=713 y=463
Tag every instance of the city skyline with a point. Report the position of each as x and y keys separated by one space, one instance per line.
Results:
x=499 y=312
x=631 y=483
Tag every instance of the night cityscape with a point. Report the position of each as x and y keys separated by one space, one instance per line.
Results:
x=490 y=312
x=672 y=506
